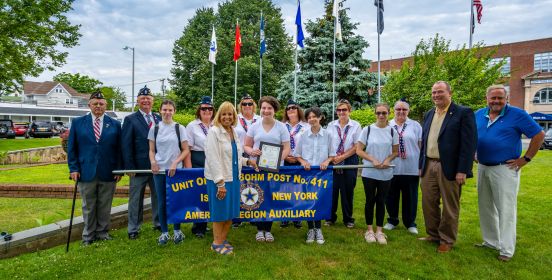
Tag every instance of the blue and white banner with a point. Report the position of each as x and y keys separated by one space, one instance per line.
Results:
x=291 y=194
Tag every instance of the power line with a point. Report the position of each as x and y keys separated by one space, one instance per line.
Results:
x=139 y=83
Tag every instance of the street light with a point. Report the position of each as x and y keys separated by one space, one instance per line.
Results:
x=127 y=48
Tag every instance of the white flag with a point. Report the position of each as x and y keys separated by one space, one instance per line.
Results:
x=337 y=23
x=213 y=48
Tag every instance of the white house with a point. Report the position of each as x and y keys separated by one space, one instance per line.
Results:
x=52 y=94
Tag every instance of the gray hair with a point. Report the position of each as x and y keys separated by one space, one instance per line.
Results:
x=502 y=87
x=402 y=102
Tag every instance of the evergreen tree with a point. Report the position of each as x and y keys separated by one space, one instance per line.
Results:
x=192 y=71
x=314 y=80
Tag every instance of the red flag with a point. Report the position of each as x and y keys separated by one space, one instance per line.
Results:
x=479 y=8
x=237 y=44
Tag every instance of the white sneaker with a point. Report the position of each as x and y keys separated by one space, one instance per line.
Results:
x=413 y=230
x=269 y=237
x=369 y=237
x=319 y=236
x=310 y=236
x=260 y=236
x=381 y=238
x=389 y=226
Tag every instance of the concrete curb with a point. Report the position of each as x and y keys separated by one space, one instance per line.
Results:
x=55 y=234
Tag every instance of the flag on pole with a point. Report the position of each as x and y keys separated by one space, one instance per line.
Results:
x=479 y=8
x=337 y=23
x=263 y=41
x=213 y=48
x=300 y=36
x=237 y=43
x=379 y=4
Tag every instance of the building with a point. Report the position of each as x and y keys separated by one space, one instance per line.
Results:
x=529 y=71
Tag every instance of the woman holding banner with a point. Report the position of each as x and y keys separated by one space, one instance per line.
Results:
x=344 y=133
x=377 y=146
x=272 y=131
x=294 y=119
x=197 y=134
x=167 y=150
x=223 y=162
x=315 y=149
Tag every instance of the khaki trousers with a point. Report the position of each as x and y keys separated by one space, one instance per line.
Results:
x=497 y=189
x=442 y=225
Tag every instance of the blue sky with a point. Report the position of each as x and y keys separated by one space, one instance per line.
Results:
x=152 y=26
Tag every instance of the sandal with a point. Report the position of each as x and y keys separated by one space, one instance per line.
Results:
x=227 y=245
x=221 y=249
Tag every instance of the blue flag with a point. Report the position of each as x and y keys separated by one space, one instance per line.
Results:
x=263 y=41
x=379 y=4
x=300 y=36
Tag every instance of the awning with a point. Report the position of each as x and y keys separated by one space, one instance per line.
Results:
x=541 y=117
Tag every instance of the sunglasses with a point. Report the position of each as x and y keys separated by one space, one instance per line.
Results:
x=381 y=113
x=210 y=109
x=341 y=110
x=292 y=108
x=401 y=109
x=247 y=104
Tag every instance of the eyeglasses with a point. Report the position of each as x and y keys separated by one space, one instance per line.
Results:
x=401 y=109
x=292 y=108
x=341 y=110
x=381 y=113
x=210 y=109
x=247 y=104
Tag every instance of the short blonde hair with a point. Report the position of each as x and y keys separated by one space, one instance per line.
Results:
x=223 y=108
x=254 y=105
x=493 y=87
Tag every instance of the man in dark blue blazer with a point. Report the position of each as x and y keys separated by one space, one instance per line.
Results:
x=449 y=140
x=136 y=157
x=93 y=153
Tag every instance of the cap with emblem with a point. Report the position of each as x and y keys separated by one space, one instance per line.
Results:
x=144 y=91
x=97 y=95
x=291 y=102
x=246 y=96
x=206 y=100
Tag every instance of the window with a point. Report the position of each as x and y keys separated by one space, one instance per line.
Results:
x=505 y=69
x=543 y=96
x=69 y=101
x=543 y=62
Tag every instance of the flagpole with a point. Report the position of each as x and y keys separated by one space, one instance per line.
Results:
x=261 y=65
x=212 y=82
x=295 y=73
x=236 y=78
x=379 y=60
x=333 y=73
x=471 y=25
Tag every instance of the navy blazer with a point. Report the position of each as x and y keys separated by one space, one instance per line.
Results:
x=457 y=141
x=90 y=158
x=135 y=142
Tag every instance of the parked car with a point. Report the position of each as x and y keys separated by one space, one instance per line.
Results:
x=41 y=129
x=547 y=144
x=57 y=128
x=21 y=129
x=6 y=129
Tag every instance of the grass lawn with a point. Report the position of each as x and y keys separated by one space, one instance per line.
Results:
x=344 y=256
x=17 y=214
x=22 y=143
x=44 y=174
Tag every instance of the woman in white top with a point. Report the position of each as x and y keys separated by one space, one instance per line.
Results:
x=197 y=134
x=377 y=145
x=271 y=131
x=246 y=116
x=344 y=133
x=315 y=149
x=294 y=119
x=405 y=173
x=166 y=153
x=223 y=165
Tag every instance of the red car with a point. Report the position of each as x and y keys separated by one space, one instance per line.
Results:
x=21 y=129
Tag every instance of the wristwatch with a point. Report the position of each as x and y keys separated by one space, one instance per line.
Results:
x=527 y=159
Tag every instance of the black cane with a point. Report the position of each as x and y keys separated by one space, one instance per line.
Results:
x=71 y=220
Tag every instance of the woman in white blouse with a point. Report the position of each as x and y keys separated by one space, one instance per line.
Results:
x=377 y=145
x=197 y=134
x=246 y=116
x=405 y=173
x=315 y=149
x=272 y=131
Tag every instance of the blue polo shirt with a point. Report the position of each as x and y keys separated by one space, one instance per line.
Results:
x=500 y=140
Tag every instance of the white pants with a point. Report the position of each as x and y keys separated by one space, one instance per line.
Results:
x=497 y=189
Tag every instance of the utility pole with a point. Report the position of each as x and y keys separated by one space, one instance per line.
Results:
x=163 y=86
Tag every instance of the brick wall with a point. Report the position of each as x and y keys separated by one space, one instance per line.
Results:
x=50 y=191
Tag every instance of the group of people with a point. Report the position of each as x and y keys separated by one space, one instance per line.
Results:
x=395 y=154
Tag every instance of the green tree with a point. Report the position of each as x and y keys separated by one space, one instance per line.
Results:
x=314 y=81
x=467 y=71
x=81 y=83
x=33 y=35
x=114 y=94
x=192 y=71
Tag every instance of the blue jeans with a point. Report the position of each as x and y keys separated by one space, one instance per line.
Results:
x=160 y=189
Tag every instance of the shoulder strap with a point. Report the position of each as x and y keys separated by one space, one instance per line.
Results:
x=367 y=134
x=155 y=132
x=177 y=129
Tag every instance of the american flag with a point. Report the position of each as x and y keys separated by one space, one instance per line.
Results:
x=479 y=9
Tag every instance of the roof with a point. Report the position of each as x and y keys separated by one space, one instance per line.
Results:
x=47 y=112
x=537 y=75
x=41 y=88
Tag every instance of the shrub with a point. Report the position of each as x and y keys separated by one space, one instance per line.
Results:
x=183 y=119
